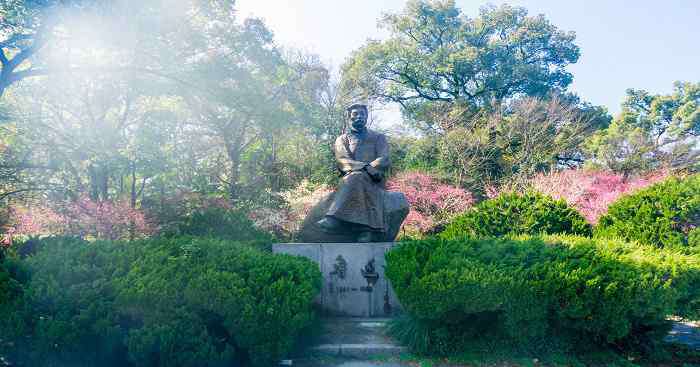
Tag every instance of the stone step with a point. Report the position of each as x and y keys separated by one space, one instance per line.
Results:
x=685 y=332
x=365 y=350
x=355 y=338
x=352 y=340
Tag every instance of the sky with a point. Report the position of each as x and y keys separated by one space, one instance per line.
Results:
x=640 y=44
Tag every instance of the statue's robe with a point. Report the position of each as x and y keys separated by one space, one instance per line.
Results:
x=359 y=199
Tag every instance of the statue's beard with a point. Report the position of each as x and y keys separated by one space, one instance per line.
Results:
x=358 y=126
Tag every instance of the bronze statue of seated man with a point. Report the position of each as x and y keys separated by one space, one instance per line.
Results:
x=363 y=158
x=361 y=210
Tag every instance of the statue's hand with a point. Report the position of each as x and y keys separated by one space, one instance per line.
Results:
x=374 y=173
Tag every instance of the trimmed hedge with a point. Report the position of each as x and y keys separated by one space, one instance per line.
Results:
x=69 y=302
x=694 y=238
x=666 y=214
x=12 y=323
x=221 y=301
x=535 y=290
x=165 y=302
x=512 y=213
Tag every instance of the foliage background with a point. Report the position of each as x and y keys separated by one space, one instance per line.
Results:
x=130 y=127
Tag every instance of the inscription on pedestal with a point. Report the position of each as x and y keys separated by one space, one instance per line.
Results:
x=340 y=267
x=353 y=275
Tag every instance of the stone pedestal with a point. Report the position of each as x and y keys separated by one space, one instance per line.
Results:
x=353 y=277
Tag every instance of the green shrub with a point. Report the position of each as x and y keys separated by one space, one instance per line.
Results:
x=187 y=301
x=694 y=239
x=535 y=291
x=512 y=213
x=228 y=224
x=12 y=323
x=69 y=303
x=216 y=302
x=663 y=214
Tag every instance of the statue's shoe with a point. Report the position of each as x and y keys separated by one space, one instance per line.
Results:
x=365 y=236
x=329 y=224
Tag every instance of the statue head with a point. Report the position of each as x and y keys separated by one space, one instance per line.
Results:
x=357 y=113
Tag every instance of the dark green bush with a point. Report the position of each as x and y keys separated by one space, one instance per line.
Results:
x=69 y=303
x=187 y=301
x=533 y=291
x=217 y=302
x=512 y=213
x=694 y=239
x=11 y=289
x=228 y=224
x=663 y=214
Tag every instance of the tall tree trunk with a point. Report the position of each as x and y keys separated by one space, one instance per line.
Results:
x=234 y=156
x=132 y=202
x=92 y=172
x=275 y=177
x=234 y=148
x=162 y=197
x=104 y=182
x=99 y=183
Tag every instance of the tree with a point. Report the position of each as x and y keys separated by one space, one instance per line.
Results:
x=319 y=105
x=669 y=118
x=27 y=27
x=99 y=135
x=520 y=139
x=185 y=99
x=622 y=147
x=38 y=37
x=651 y=131
x=245 y=77
x=439 y=61
x=24 y=30
x=314 y=119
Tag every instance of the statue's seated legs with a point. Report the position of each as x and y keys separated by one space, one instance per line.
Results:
x=395 y=210
x=331 y=225
x=365 y=236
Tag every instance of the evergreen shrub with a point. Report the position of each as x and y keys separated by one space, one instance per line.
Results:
x=535 y=290
x=12 y=277
x=179 y=301
x=694 y=239
x=216 y=301
x=662 y=215
x=68 y=303
x=513 y=213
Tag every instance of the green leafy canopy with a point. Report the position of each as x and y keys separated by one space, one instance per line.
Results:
x=436 y=55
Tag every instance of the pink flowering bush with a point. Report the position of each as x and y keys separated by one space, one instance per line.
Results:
x=590 y=192
x=272 y=220
x=285 y=221
x=432 y=202
x=34 y=221
x=105 y=219
x=84 y=218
